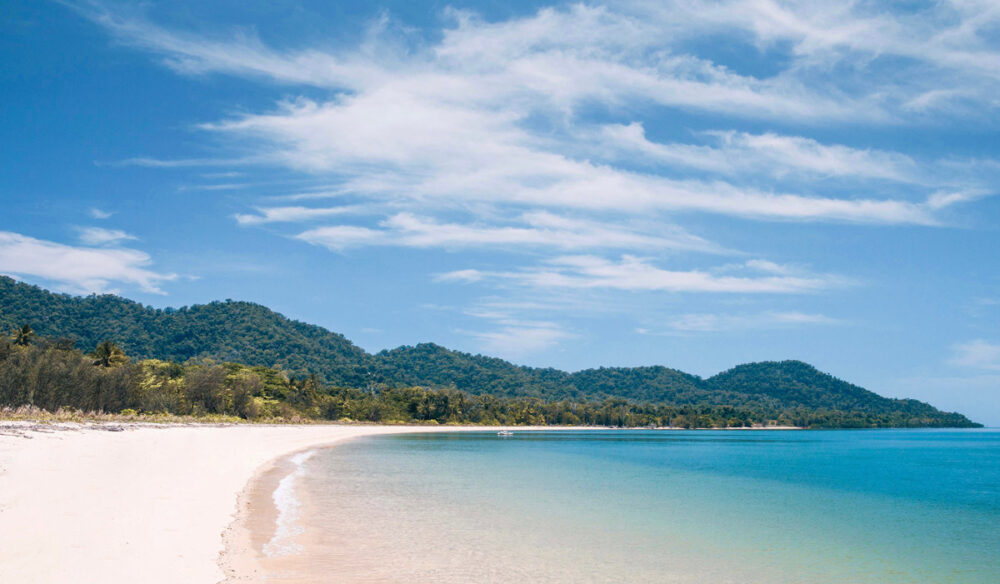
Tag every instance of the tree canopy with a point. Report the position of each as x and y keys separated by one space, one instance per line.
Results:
x=297 y=363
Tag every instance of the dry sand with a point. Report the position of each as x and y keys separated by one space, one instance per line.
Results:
x=142 y=504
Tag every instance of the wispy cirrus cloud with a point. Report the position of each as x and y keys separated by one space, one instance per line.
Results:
x=492 y=112
x=724 y=322
x=506 y=328
x=632 y=273
x=149 y=162
x=952 y=36
x=445 y=157
x=78 y=269
x=731 y=152
x=977 y=354
x=562 y=132
x=477 y=61
x=513 y=338
x=535 y=229
x=102 y=236
x=293 y=214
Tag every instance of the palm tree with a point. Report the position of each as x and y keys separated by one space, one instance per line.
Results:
x=23 y=335
x=108 y=354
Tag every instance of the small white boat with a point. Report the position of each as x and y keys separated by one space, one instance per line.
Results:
x=504 y=433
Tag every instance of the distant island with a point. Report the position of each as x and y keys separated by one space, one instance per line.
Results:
x=106 y=353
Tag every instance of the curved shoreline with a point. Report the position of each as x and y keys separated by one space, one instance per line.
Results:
x=80 y=503
x=255 y=520
x=120 y=503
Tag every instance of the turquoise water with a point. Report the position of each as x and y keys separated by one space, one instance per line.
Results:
x=881 y=506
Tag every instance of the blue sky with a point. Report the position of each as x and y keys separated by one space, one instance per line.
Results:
x=684 y=183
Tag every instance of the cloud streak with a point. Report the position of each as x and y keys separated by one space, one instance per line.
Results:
x=78 y=269
x=517 y=338
x=977 y=354
x=636 y=274
x=492 y=112
x=102 y=236
x=294 y=214
x=735 y=153
x=712 y=322
x=535 y=229
x=577 y=136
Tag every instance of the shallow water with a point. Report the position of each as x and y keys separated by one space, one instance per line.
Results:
x=885 y=506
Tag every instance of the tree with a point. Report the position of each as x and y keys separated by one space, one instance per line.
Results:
x=24 y=335
x=205 y=387
x=245 y=386
x=108 y=354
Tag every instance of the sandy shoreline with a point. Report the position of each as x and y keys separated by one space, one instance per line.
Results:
x=125 y=503
x=144 y=504
x=256 y=518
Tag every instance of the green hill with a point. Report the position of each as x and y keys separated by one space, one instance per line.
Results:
x=240 y=332
x=436 y=366
x=243 y=332
x=798 y=385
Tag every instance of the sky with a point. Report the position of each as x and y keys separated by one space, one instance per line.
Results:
x=676 y=182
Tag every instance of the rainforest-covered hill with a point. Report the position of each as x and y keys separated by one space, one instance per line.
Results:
x=251 y=334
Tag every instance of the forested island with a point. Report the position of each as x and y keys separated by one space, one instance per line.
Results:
x=109 y=354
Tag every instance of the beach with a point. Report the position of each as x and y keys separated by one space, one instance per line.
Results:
x=631 y=506
x=116 y=503
x=126 y=503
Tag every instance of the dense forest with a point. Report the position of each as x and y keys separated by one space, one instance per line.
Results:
x=242 y=359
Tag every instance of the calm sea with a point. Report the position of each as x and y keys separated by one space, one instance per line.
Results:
x=879 y=506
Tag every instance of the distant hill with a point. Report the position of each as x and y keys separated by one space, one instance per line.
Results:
x=252 y=334
x=241 y=332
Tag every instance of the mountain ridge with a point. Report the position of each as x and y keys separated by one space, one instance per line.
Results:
x=250 y=333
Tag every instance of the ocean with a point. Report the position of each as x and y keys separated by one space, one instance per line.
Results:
x=848 y=506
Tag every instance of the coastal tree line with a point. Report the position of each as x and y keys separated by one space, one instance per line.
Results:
x=789 y=392
x=53 y=374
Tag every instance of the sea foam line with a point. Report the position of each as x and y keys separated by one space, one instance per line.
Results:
x=287 y=527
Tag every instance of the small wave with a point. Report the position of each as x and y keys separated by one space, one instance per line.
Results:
x=287 y=529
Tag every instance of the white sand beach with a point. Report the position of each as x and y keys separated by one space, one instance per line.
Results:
x=145 y=504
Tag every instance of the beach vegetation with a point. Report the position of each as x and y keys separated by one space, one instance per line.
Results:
x=53 y=377
x=23 y=335
x=242 y=360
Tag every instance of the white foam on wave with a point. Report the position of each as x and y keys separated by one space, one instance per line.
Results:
x=287 y=527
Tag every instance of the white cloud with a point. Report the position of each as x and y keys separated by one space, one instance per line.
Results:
x=183 y=162
x=641 y=50
x=514 y=338
x=290 y=214
x=638 y=274
x=392 y=146
x=101 y=236
x=768 y=153
x=340 y=237
x=466 y=276
x=475 y=60
x=224 y=174
x=96 y=213
x=215 y=187
x=943 y=199
x=78 y=269
x=535 y=229
x=710 y=322
x=484 y=136
x=457 y=121
x=953 y=36
x=979 y=354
